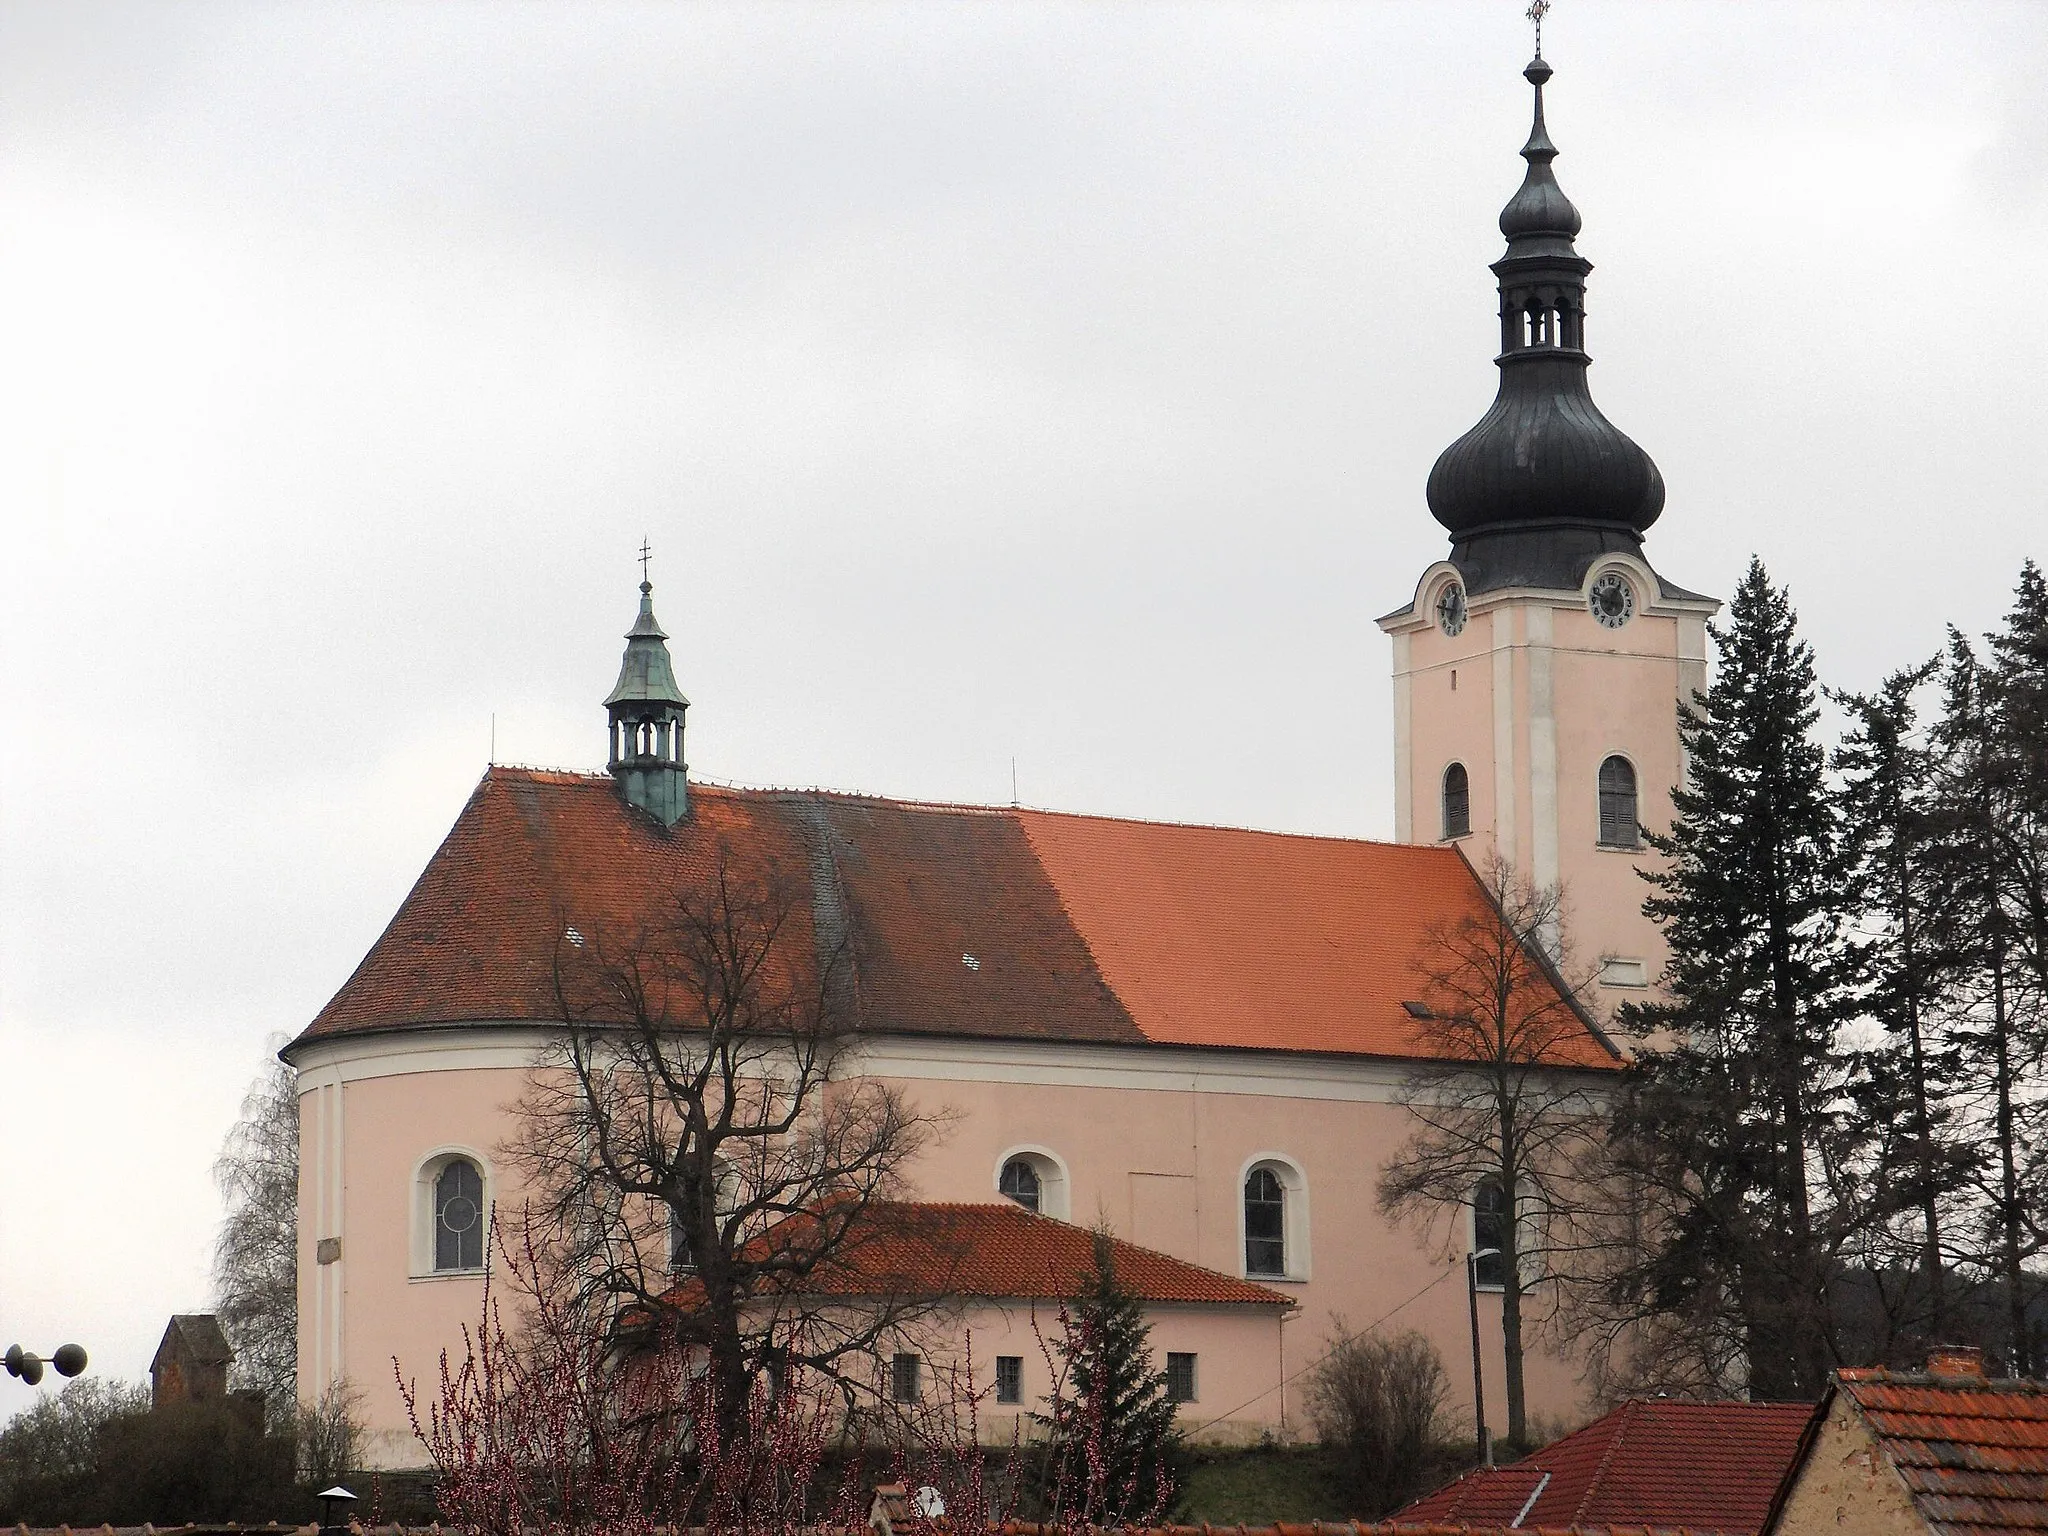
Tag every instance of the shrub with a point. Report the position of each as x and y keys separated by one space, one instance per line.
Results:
x=1379 y=1403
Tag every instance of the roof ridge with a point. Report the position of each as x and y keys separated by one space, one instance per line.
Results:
x=1623 y=1421
x=568 y=776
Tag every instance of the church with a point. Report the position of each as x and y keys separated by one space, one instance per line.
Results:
x=1196 y=1035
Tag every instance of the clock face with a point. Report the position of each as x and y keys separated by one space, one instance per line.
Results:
x=1450 y=609
x=1612 y=600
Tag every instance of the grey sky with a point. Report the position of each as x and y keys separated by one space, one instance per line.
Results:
x=1055 y=382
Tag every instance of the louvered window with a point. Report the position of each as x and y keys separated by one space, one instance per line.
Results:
x=1457 y=801
x=1618 y=827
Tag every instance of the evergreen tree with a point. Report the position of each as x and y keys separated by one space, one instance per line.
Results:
x=1993 y=930
x=1740 y=1133
x=1114 y=1451
x=1909 y=1097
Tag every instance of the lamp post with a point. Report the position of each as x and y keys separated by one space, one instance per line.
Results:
x=24 y=1366
x=335 y=1500
x=1478 y=1377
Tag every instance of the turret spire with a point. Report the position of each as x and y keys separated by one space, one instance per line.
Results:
x=1545 y=483
x=645 y=709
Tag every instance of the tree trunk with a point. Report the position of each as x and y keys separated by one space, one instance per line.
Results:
x=1511 y=1318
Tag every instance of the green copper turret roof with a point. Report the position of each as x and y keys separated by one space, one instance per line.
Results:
x=646 y=674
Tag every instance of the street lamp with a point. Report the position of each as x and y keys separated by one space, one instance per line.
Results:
x=68 y=1359
x=1478 y=1379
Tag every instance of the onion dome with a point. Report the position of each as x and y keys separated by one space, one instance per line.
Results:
x=1544 y=483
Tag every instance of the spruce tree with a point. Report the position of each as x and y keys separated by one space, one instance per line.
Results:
x=1993 y=931
x=1114 y=1450
x=1735 y=1131
x=1910 y=1097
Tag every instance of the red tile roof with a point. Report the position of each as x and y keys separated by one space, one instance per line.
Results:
x=1003 y=1252
x=959 y=920
x=1703 y=1466
x=1973 y=1453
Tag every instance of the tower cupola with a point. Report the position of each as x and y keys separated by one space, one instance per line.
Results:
x=1545 y=483
x=646 y=708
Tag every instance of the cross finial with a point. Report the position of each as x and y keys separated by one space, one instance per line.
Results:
x=646 y=554
x=1538 y=9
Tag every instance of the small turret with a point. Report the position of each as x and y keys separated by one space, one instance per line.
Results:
x=646 y=711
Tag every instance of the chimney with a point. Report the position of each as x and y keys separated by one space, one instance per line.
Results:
x=1958 y=1360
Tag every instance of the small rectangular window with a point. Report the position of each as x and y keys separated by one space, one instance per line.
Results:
x=1180 y=1378
x=1009 y=1378
x=903 y=1379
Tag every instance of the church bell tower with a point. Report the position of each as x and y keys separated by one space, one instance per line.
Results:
x=1539 y=668
x=646 y=708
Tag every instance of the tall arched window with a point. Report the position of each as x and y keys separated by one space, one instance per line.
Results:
x=1265 y=1224
x=459 y=1216
x=1618 y=827
x=1020 y=1183
x=1489 y=1231
x=1457 y=801
x=680 y=1258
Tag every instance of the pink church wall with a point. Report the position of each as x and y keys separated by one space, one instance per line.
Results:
x=1241 y=1359
x=1544 y=694
x=1164 y=1164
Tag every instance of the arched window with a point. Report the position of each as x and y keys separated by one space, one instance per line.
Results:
x=680 y=1258
x=1489 y=1231
x=1618 y=827
x=1035 y=1177
x=1265 y=1224
x=459 y=1216
x=1457 y=801
x=1020 y=1183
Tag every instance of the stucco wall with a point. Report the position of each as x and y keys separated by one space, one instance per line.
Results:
x=1847 y=1485
x=1154 y=1140
x=1532 y=696
x=1240 y=1361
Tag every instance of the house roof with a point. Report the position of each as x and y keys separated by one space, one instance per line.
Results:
x=1973 y=1453
x=1652 y=1461
x=998 y=1252
x=957 y=920
x=198 y=1337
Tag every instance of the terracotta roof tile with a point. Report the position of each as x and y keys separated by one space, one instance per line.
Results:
x=1702 y=1466
x=958 y=920
x=1001 y=1251
x=1973 y=1453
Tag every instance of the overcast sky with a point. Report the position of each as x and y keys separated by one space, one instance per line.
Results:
x=1053 y=383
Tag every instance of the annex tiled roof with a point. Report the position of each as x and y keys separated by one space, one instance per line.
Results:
x=1973 y=1453
x=1653 y=1461
x=957 y=920
x=1001 y=1252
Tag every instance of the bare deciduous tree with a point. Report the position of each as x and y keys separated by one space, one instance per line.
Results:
x=694 y=1146
x=1503 y=1103
x=255 y=1255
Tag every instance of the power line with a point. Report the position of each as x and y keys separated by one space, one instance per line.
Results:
x=1319 y=1359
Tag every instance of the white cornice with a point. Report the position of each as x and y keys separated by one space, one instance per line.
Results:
x=1041 y=1063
